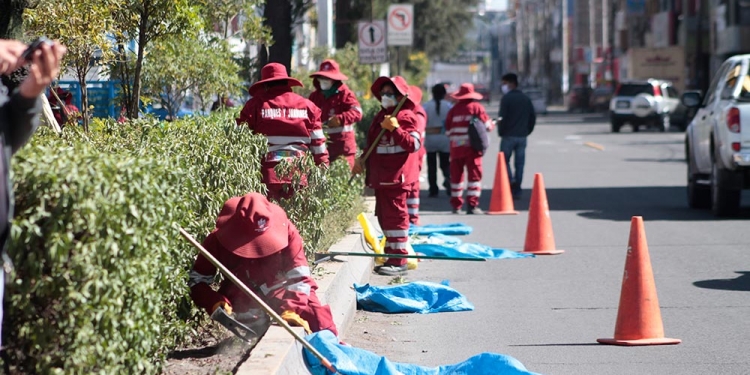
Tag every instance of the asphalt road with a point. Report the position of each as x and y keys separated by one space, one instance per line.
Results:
x=548 y=311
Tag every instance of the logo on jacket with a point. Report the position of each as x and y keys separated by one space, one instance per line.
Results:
x=327 y=67
x=332 y=112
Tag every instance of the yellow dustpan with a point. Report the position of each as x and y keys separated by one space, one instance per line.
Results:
x=378 y=246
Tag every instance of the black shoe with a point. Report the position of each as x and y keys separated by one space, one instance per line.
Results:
x=391 y=270
x=474 y=211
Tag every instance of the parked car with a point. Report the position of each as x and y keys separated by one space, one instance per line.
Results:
x=717 y=145
x=484 y=90
x=538 y=100
x=643 y=103
x=600 y=97
x=578 y=98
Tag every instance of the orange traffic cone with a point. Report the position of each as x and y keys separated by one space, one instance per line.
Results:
x=539 y=237
x=638 y=316
x=501 y=202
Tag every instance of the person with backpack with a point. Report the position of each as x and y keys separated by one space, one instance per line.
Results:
x=436 y=142
x=517 y=120
x=466 y=125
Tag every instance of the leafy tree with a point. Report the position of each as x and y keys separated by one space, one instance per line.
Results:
x=197 y=63
x=253 y=30
x=82 y=27
x=145 y=21
x=11 y=18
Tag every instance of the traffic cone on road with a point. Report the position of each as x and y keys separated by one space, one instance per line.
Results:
x=501 y=202
x=539 y=237
x=638 y=316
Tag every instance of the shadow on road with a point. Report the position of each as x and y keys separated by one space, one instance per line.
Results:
x=604 y=203
x=568 y=344
x=656 y=160
x=740 y=283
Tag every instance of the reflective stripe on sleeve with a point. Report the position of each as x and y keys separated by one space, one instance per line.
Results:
x=297 y=272
x=318 y=149
x=317 y=134
x=340 y=129
x=196 y=278
x=300 y=287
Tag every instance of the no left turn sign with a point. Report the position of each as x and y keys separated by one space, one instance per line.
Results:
x=400 y=24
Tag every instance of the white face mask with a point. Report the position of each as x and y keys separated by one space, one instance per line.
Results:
x=388 y=101
x=505 y=88
x=325 y=84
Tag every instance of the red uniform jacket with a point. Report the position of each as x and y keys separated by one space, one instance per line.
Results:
x=457 y=126
x=345 y=106
x=395 y=161
x=282 y=279
x=291 y=124
x=422 y=126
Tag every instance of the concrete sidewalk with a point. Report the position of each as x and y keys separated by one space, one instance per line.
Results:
x=278 y=353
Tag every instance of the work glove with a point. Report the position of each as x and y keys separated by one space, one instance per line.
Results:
x=358 y=167
x=224 y=305
x=334 y=122
x=389 y=123
x=295 y=320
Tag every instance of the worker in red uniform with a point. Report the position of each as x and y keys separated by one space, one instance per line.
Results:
x=412 y=199
x=466 y=109
x=290 y=123
x=257 y=242
x=340 y=110
x=393 y=167
x=67 y=113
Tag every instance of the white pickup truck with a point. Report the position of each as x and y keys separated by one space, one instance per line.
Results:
x=717 y=142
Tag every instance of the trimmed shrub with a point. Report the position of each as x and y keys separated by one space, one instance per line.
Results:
x=101 y=272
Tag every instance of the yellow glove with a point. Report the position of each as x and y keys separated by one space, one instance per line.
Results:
x=389 y=123
x=358 y=167
x=334 y=122
x=294 y=319
x=224 y=305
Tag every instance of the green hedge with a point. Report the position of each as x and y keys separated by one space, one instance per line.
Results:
x=101 y=273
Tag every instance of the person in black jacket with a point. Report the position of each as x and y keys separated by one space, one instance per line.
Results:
x=19 y=118
x=517 y=120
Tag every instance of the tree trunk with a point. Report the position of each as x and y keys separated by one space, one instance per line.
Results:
x=277 y=15
x=343 y=23
x=11 y=18
x=126 y=86
x=84 y=99
x=142 y=29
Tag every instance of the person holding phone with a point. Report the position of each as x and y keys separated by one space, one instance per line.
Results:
x=19 y=117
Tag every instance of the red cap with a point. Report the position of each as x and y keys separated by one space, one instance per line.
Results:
x=466 y=91
x=330 y=69
x=401 y=86
x=252 y=227
x=274 y=72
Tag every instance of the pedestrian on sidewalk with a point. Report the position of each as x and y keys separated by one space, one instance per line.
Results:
x=340 y=110
x=467 y=112
x=290 y=123
x=392 y=168
x=257 y=242
x=412 y=199
x=436 y=142
x=19 y=118
x=517 y=120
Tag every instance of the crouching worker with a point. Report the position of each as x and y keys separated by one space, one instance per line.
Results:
x=257 y=242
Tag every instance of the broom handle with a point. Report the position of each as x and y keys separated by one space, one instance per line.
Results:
x=257 y=299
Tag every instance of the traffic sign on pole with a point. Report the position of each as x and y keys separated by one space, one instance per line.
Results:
x=372 y=46
x=400 y=25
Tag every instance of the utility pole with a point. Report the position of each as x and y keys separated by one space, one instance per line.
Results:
x=592 y=42
x=565 y=49
x=520 y=42
x=605 y=40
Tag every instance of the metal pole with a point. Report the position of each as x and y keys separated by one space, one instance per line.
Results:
x=261 y=303
x=605 y=37
x=592 y=42
x=565 y=49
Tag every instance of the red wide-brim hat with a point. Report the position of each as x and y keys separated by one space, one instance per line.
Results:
x=415 y=95
x=330 y=69
x=252 y=227
x=401 y=86
x=274 y=72
x=466 y=91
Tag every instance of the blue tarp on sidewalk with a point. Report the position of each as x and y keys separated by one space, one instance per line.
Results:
x=415 y=297
x=447 y=246
x=452 y=229
x=353 y=361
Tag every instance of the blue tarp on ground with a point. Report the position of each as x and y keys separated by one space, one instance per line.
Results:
x=452 y=229
x=447 y=246
x=353 y=361
x=415 y=297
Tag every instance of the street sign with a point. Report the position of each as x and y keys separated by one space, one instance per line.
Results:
x=400 y=24
x=372 y=47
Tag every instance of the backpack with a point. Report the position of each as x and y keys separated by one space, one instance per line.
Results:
x=478 y=137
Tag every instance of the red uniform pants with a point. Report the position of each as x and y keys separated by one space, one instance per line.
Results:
x=473 y=165
x=412 y=203
x=278 y=191
x=390 y=208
